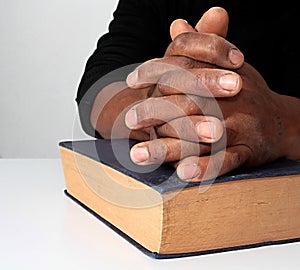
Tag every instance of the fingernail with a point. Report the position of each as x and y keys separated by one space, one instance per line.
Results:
x=131 y=118
x=206 y=130
x=188 y=171
x=236 y=57
x=228 y=82
x=132 y=78
x=140 y=154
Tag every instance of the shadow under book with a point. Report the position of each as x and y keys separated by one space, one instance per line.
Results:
x=167 y=218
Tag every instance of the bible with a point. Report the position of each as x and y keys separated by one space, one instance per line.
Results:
x=165 y=217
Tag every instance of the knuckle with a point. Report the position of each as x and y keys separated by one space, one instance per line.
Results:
x=186 y=129
x=205 y=81
x=169 y=83
x=180 y=41
x=212 y=48
x=158 y=150
x=216 y=49
x=146 y=109
x=166 y=79
x=199 y=81
x=147 y=71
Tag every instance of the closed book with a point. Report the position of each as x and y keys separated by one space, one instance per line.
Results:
x=166 y=217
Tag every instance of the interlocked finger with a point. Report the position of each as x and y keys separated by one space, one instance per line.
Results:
x=166 y=150
x=159 y=110
x=195 y=168
x=196 y=128
x=206 y=47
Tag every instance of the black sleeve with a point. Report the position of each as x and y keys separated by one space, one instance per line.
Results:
x=135 y=35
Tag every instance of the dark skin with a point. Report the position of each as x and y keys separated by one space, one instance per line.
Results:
x=246 y=125
x=114 y=100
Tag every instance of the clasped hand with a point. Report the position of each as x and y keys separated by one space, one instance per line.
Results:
x=212 y=112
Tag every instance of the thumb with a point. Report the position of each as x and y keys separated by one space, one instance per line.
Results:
x=215 y=20
x=180 y=26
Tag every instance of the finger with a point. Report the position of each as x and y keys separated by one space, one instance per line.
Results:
x=196 y=128
x=152 y=112
x=148 y=73
x=172 y=79
x=196 y=168
x=215 y=20
x=180 y=26
x=205 y=82
x=206 y=47
x=165 y=150
x=159 y=110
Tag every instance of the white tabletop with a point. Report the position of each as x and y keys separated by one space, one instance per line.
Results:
x=41 y=228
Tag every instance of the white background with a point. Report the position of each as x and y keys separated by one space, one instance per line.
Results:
x=44 y=45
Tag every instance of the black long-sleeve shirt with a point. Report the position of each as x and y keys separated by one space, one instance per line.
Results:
x=139 y=31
